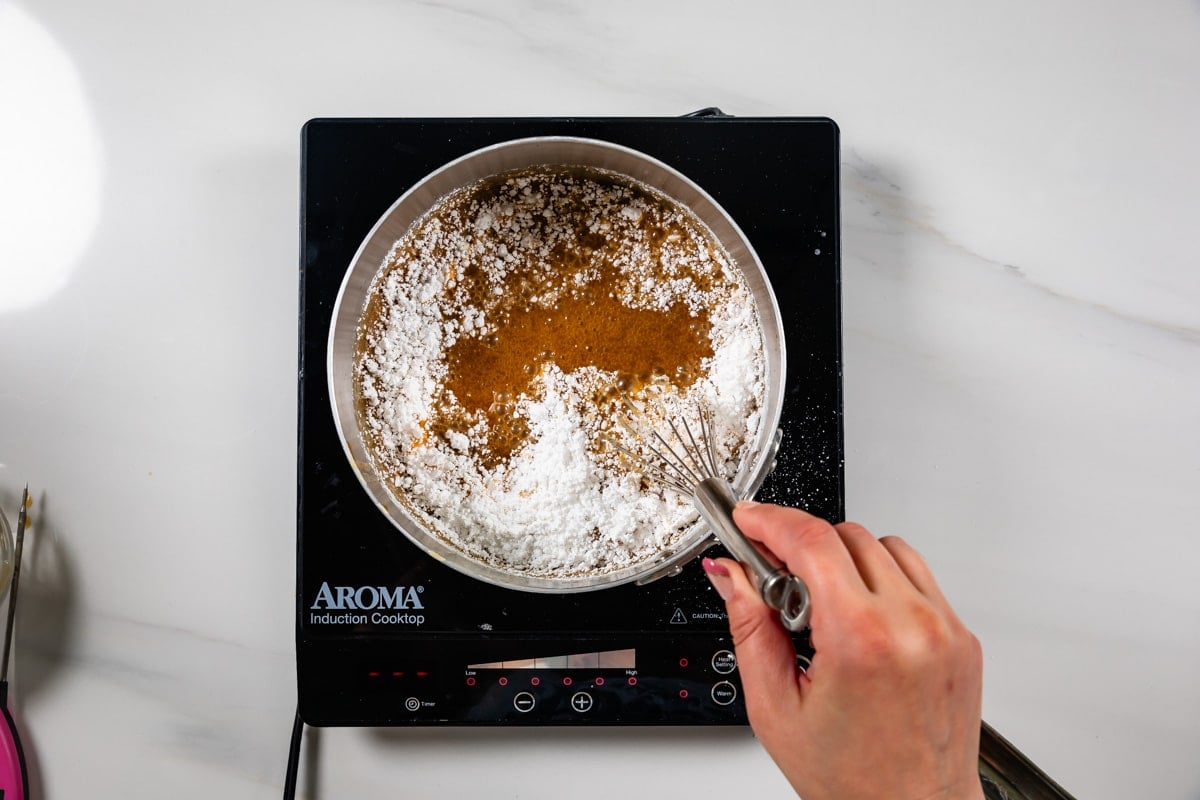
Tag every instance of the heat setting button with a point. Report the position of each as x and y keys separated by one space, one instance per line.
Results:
x=524 y=702
x=724 y=693
x=582 y=702
x=724 y=662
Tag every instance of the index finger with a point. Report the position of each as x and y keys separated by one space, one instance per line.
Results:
x=809 y=547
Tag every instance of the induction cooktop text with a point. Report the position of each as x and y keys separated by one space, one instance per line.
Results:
x=379 y=605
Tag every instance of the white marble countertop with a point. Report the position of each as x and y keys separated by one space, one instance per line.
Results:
x=1022 y=359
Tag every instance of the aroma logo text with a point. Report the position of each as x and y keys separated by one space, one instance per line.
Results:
x=344 y=598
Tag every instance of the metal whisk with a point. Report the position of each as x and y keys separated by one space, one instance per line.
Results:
x=686 y=463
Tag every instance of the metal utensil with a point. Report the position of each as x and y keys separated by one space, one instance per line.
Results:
x=684 y=461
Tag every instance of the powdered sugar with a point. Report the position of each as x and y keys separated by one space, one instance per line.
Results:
x=495 y=339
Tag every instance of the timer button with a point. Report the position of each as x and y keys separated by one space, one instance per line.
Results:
x=724 y=661
x=524 y=702
x=724 y=693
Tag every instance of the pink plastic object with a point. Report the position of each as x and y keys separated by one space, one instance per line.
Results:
x=12 y=757
x=14 y=780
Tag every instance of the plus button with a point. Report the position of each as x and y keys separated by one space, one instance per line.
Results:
x=581 y=702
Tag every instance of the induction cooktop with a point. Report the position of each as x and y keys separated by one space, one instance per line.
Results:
x=387 y=635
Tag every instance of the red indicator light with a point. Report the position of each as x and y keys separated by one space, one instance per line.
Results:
x=373 y=674
x=683 y=662
x=422 y=674
x=397 y=674
x=683 y=694
x=567 y=681
x=632 y=681
x=503 y=681
x=535 y=681
x=599 y=681
x=470 y=681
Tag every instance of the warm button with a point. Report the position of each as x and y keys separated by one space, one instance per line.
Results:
x=724 y=661
x=724 y=693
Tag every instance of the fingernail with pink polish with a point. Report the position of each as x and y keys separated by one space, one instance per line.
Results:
x=718 y=576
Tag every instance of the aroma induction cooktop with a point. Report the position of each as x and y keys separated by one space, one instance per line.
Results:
x=387 y=635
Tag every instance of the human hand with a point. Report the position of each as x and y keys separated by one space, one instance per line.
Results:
x=890 y=706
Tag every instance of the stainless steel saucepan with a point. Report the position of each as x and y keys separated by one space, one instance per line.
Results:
x=499 y=158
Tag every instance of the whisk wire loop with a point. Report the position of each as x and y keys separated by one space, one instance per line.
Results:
x=706 y=436
x=681 y=460
x=651 y=469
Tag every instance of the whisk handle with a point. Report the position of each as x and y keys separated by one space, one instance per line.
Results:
x=780 y=590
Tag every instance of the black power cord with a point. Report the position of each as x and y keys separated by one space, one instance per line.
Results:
x=293 y=765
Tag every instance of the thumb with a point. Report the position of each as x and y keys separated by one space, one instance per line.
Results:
x=766 y=656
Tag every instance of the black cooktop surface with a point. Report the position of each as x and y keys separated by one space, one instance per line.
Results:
x=388 y=635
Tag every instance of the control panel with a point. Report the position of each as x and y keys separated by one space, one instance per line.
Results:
x=662 y=681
